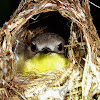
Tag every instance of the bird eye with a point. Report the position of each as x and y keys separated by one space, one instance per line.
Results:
x=33 y=47
x=60 y=47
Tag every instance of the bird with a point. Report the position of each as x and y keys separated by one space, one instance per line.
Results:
x=44 y=52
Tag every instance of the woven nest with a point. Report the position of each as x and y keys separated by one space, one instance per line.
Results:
x=80 y=80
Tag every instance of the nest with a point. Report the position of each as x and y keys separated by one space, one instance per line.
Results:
x=80 y=80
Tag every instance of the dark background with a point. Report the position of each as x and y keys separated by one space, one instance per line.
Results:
x=7 y=7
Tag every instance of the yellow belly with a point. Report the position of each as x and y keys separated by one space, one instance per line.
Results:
x=42 y=63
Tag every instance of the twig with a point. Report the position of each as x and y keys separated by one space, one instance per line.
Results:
x=83 y=43
x=14 y=89
x=94 y=4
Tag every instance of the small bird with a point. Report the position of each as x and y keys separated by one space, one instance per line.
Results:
x=44 y=52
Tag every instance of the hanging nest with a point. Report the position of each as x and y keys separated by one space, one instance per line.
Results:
x=80 y=80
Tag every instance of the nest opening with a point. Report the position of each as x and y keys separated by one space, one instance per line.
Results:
x=49 y=22
x=53 y=21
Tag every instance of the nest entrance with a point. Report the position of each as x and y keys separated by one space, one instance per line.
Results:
x=51 y=22
x=54 y=22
